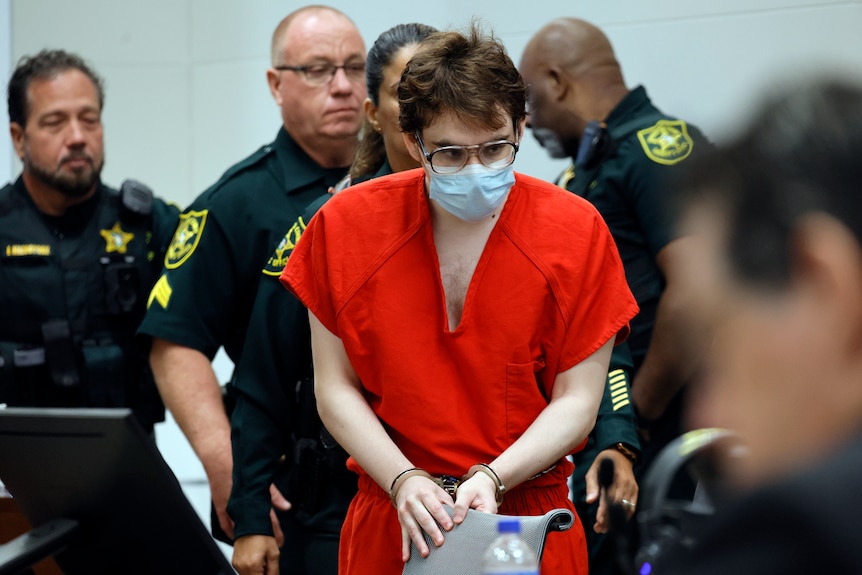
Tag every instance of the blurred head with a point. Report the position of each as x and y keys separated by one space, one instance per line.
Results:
x=382 y=134
x=573 y=77
x=775 y=272
x=55 y=114
x=318 y=80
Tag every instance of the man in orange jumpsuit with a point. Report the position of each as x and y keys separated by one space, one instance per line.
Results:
x=462 y=326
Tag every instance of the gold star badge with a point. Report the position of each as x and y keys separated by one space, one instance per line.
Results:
x=116 y=239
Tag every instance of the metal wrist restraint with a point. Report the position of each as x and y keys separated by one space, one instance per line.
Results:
x=449 y=483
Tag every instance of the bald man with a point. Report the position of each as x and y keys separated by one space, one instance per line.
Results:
x=205 y=295
x=623 y=149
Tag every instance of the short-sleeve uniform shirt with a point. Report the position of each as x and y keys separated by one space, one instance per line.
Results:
x=204 y=298
x=628 y=188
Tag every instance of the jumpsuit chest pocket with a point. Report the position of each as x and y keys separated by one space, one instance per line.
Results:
x=525 y=396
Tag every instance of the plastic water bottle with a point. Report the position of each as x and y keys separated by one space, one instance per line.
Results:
x=509 y=553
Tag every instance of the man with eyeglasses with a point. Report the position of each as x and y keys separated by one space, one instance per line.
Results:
x=203 y=299
x=461 y=329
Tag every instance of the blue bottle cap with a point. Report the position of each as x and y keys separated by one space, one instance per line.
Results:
x=509 y=526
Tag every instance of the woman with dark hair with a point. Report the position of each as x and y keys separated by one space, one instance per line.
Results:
x=381 y=150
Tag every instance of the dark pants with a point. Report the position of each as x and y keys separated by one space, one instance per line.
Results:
x=603 y=551
x=311 y=538
x=307 y=551
x=613 y=554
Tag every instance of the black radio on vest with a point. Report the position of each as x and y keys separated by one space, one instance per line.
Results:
x=593 y=144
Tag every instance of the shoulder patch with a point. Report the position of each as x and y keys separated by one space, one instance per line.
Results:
x=186 y=238
x=276 y=262
x=667 y=142
x=248 y=162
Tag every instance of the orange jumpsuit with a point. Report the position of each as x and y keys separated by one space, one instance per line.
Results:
x=548 y=291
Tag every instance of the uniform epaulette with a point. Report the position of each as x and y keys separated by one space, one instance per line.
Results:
x=621 y=131
x=250 y=161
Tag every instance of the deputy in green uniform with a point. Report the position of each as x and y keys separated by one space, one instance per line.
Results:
x=205 y=296
x=77 y=258
x=276 y=411
x=624 y=150
x=276 y=432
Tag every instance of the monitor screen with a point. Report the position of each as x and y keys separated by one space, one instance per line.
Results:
x=99 y=468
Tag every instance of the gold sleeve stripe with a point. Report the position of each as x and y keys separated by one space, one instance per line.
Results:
x=161 y=292
x=621 y=404
x=617 y=375
x=617 y=386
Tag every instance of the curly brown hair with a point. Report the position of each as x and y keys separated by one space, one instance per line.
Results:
x=469 y=74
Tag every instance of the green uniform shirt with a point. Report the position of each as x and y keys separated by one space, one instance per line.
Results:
x=626 y=185
x=627 y=188
x=268 y=410
x=204 y=297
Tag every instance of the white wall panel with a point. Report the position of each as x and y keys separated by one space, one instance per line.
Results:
x=121 y=31
x=227 y=30
x=147 y=127
x=7 y=168
x=711 y=70
x=232 y=115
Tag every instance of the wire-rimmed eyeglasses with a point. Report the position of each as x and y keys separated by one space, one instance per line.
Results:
x=321 y=74
x=450 y=159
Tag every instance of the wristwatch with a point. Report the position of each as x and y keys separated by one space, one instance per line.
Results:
x=630 y=453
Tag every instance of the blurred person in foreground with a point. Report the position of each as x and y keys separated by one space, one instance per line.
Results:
x=460 y=349
x=776 y=277
x=275 y=411
x=204 y=298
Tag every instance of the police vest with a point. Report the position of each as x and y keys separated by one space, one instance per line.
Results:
x=72 y=297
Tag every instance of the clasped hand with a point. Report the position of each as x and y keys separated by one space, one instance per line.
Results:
x=420 y=502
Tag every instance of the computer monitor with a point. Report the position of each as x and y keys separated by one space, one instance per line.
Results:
x=97 y=467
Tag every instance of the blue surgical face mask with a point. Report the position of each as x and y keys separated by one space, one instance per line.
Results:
x=473 y=192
